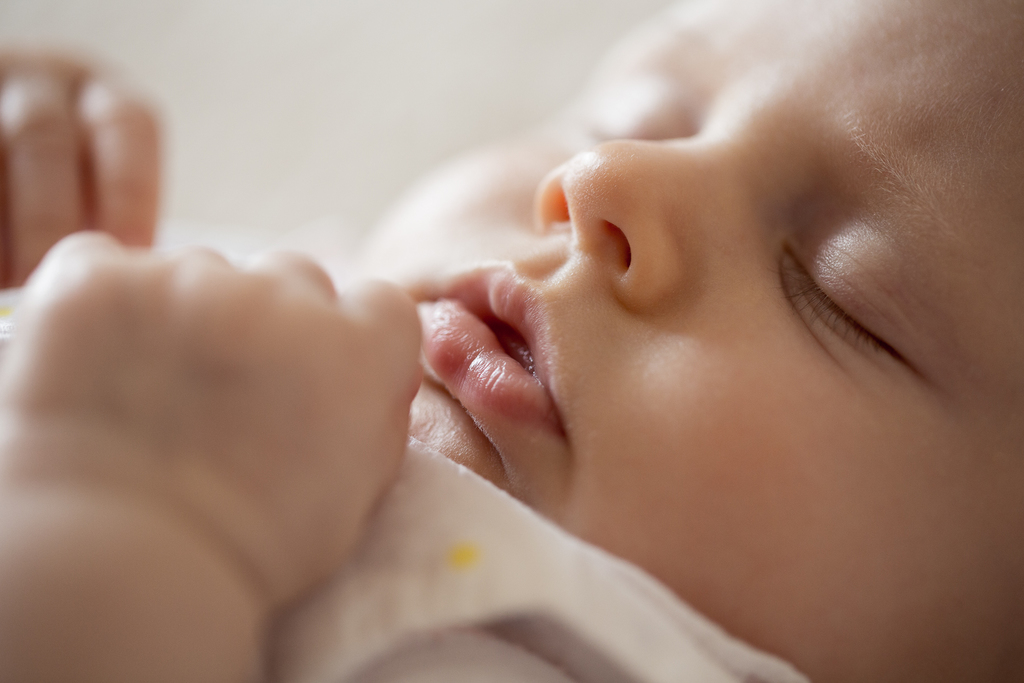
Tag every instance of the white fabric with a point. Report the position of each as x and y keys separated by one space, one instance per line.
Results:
x=8 y=300
x=455 y=578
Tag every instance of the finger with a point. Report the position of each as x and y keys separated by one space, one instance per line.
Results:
x=67 y=258
x=82 y=244
x=5 y=267
x=295 y=268
x=44 y=194
x=197 y=257
x=389 y=314
x=123 y=155
x=375 y=302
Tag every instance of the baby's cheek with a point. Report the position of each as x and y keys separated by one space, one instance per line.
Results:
x=647 y=107
x=479 y=207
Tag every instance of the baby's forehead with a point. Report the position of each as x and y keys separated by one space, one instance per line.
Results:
x=917 y=44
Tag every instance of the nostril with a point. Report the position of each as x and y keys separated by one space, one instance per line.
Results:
x=551 y=204
x=618 y=245
x=559 y=208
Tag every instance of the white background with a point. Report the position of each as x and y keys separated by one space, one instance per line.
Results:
x=283 y=112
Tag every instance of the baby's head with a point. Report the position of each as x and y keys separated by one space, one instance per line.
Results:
x=773 y=298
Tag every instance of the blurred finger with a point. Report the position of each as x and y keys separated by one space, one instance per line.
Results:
x=123 y=153
x=198 y=273
x=295 y=268
x=4 y=240
x=78 y=248
x=373 y=300
x=388 y=310
x=199 y=256
x=44 y=194
x=84 y=242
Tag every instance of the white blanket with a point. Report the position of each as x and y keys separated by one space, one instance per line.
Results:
x=456 y=581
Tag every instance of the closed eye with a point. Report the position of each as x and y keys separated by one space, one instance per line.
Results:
x=817 y=307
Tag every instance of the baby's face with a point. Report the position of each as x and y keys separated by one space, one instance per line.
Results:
x=750 y=315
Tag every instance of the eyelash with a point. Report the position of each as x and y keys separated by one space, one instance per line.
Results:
x=808 y=298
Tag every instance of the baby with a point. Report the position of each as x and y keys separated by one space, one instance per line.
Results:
x=747 y=315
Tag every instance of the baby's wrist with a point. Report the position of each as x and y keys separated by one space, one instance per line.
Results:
x=80 y=459
x=107 y=581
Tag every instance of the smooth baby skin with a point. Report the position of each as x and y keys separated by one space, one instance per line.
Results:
x=186 y=448
x=770 y=271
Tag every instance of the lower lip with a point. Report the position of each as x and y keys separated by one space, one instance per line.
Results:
x=467 y=357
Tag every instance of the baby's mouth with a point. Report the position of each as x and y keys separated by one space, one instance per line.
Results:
x=487 y=345
x=513 y=344
x=473 y=345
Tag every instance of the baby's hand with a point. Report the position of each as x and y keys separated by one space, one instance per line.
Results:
x=76 y=151
x=255 y=407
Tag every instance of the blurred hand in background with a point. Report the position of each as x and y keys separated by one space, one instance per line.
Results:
x=77 y=151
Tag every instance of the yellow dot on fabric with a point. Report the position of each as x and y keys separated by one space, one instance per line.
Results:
x=6 y=311
x=463 y=556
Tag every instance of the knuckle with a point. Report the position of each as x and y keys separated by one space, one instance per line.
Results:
x=194 y=274
x=98 y=280
x=206 y=291
x=81 y=283
x=289 y=267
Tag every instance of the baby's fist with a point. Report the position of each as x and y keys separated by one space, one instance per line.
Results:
x=252 y=405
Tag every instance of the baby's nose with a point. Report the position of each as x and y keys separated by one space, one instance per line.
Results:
x=636 y=210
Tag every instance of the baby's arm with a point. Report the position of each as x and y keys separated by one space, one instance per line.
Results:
x=185 y=448
x=77 y=150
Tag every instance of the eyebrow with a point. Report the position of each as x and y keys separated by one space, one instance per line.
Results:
x=977 y=114
x=894 y=168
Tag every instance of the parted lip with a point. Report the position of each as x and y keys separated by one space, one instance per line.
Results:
x=486 y=341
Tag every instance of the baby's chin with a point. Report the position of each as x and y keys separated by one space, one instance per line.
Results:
x=442 y=424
